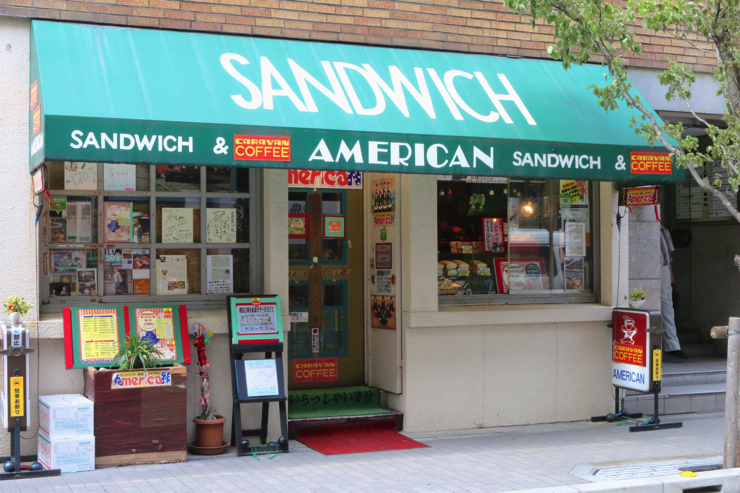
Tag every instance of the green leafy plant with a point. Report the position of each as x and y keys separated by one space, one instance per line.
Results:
x=14 y=304
x=137 y=351
x=638 y=294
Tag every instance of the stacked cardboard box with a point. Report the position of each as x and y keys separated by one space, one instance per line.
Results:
x=66 y=439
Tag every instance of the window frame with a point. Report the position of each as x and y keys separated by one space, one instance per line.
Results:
x=193 y=301
x=546 y=298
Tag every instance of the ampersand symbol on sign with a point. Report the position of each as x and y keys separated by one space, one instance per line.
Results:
x=220 y=147
x=621 y=165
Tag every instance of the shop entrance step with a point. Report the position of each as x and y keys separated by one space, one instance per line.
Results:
x=696 y=385
x=301 y=424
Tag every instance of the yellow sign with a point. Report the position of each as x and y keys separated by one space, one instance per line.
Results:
x=657 y=360
x=16 y=397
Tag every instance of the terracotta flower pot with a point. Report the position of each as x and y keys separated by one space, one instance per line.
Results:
x=209 y=432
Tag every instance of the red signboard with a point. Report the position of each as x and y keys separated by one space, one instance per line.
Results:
x=261 y=148
x=641 y=196
x=657 y=163
x=630 y=354
x=324 y=179
x=315 y=370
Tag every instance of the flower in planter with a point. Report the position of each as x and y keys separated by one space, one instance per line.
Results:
x=202 y=338
x=14 y=304
x=137 y=353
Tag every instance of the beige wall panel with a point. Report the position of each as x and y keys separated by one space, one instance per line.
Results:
x=444 y=379
x=520 y=381
x=583 y=371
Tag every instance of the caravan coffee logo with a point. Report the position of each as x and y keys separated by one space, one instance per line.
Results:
x=261 y=148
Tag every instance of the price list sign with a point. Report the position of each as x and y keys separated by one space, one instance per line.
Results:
x=255 y=319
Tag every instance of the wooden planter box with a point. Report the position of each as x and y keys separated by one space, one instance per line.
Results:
x=138 y=425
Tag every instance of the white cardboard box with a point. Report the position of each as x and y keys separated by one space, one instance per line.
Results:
x=68 y=454
x=65 y=416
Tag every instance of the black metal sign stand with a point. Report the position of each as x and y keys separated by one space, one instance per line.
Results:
x=243 y=447
x=619 y=415
x=654 y=423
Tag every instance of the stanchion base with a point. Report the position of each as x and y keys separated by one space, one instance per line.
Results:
x=263 y=449
x=46 y=473
x=655 y=427
x=616 y=417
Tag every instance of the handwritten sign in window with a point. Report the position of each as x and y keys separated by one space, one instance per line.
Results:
x=80 y=176
x=221 y=225
x=121 y=177
x=177 y=225
x=261 y=376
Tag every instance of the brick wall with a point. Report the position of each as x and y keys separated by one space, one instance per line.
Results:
x=455 y=25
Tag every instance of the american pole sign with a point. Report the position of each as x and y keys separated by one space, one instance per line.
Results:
x=630 y=351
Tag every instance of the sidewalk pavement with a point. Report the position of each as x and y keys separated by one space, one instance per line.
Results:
x=490 y=460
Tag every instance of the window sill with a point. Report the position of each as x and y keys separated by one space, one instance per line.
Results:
x=459 y=316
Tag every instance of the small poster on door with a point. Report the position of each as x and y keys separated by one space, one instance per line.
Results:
x=383 y=202
x=334 y=227
x=384 y=255
x=383 y=312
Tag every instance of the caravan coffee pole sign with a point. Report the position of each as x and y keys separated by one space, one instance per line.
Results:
x=109 y=94
x=630 y=351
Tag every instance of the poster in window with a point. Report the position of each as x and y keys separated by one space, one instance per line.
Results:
x=220 y=274
x=118 y=218
x=60 y=289
x=58 y=228
x=141 y=272
x=221 y=225
x=525 y=274
x=574 y=277
x=493 y=235
x=172 y=274
x=573 y=194
x=87 y=282
x=157 y=325
x=177 y=225
x=68 y=260
x=80 y=176
x=575 y=239
x=297 y=225
x=119 y=177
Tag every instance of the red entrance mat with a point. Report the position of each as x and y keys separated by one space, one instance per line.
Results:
x=355 y=438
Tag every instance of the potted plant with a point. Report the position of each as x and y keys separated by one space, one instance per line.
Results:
x=209 y=426
x=16 y=307
x=638 y=297
x=137 y=353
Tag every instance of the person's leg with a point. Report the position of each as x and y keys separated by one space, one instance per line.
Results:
x=670 y=339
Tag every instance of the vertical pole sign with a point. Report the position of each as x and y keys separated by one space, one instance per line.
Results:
x=14 y=398
x=636 y=362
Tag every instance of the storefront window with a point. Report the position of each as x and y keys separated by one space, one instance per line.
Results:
x=529 y=238
x=108 y=237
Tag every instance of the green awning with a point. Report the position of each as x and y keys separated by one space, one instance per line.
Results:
x=151 y=96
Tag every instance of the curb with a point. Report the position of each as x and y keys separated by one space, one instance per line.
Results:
x=721 y=481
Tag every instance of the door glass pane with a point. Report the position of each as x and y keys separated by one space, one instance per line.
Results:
x=227 y=179
x=298 y=295
x=333 y=295
x=300 y=339
x=331 y=203
x=176 y=178
x=297 y=203
x=333 y=336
